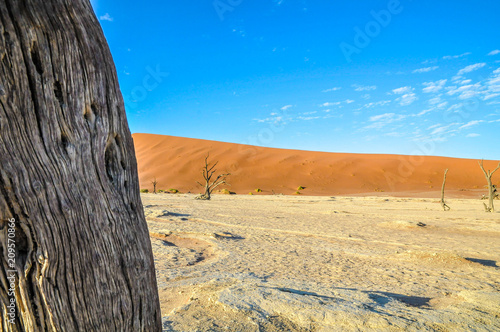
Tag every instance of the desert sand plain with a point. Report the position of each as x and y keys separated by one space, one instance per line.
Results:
x=363 y=246
x=305 y=263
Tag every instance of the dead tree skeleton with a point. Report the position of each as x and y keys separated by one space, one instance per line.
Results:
x=491 y=188
x=211 y=183
x=443 y=204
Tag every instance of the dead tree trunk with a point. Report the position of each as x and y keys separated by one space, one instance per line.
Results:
x=75 y=253
x=443 y=204
x=491 y=190
x=154 y=183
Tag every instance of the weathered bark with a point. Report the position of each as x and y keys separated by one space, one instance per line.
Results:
x=68 y=177
x=491 y=189
x=443 y=203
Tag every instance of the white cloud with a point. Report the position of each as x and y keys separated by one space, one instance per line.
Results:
x=284 y=108
x=449 y=57
x=332 y=89
x=106 y=17
x=433 y=87
x=402 y=90
x=470 y=124
x=407 y=99
x=442 y=105
x=494 y=52
x=364 y=87
x=491 y=95
x=473 y=135
x=424 y=70
x=435 y=100
x=470 y=68
x=425 y=112
x=373 y=104
x=465 y=91
x=379 y=121
x=330 y=104
x=337 y=103
x=441 y=130
x=493 y=83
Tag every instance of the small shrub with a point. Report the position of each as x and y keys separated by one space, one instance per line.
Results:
x=301 y=188
x=258 y=190
x=144 y=191
x=227 y=192
x=161 y=191
x=174 y=191
x=250 y=193
x=297 y=193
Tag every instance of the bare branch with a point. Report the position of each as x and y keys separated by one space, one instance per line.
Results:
x=496 y=169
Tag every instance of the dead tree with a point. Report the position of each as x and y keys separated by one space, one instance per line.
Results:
x=212 y=181
x=154 y=183
x=75 y=253
x=491 y=189
x=443 y=204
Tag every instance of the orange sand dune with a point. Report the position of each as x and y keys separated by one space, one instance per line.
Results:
x=176 y=162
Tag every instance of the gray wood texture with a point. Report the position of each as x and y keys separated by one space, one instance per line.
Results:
x=68 y=176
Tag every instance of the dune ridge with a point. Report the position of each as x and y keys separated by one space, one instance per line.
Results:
x=176 y=162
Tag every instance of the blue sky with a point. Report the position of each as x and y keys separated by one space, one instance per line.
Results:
x=404 y=77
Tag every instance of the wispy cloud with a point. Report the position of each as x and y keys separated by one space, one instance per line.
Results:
x=106 y=17
x=332 y=89
x=404 y=89
x=490 y=96
x=470 y=124
x=433 y=87
x=494 y=52
x=358 y=87
x=330 y=104
x=337 y=103
x=493 y=82
x=470 y=68
x=408 y=96
x=424 y=70
x=449 y=57
x=284 y=108
x=472 y=135
x=407 y=99
x=374 y=104
x=379 y=121
x=465 y=91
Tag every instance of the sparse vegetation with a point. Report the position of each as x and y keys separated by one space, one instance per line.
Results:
x=258 y=190
x=301 y=188
x=208 y=173
x=297 y=193
x=250 y=193
x=173 y=191
x=227 y=192
x=161 y=191
x=144 y=191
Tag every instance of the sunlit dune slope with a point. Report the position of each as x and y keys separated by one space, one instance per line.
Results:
x=176 y=162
